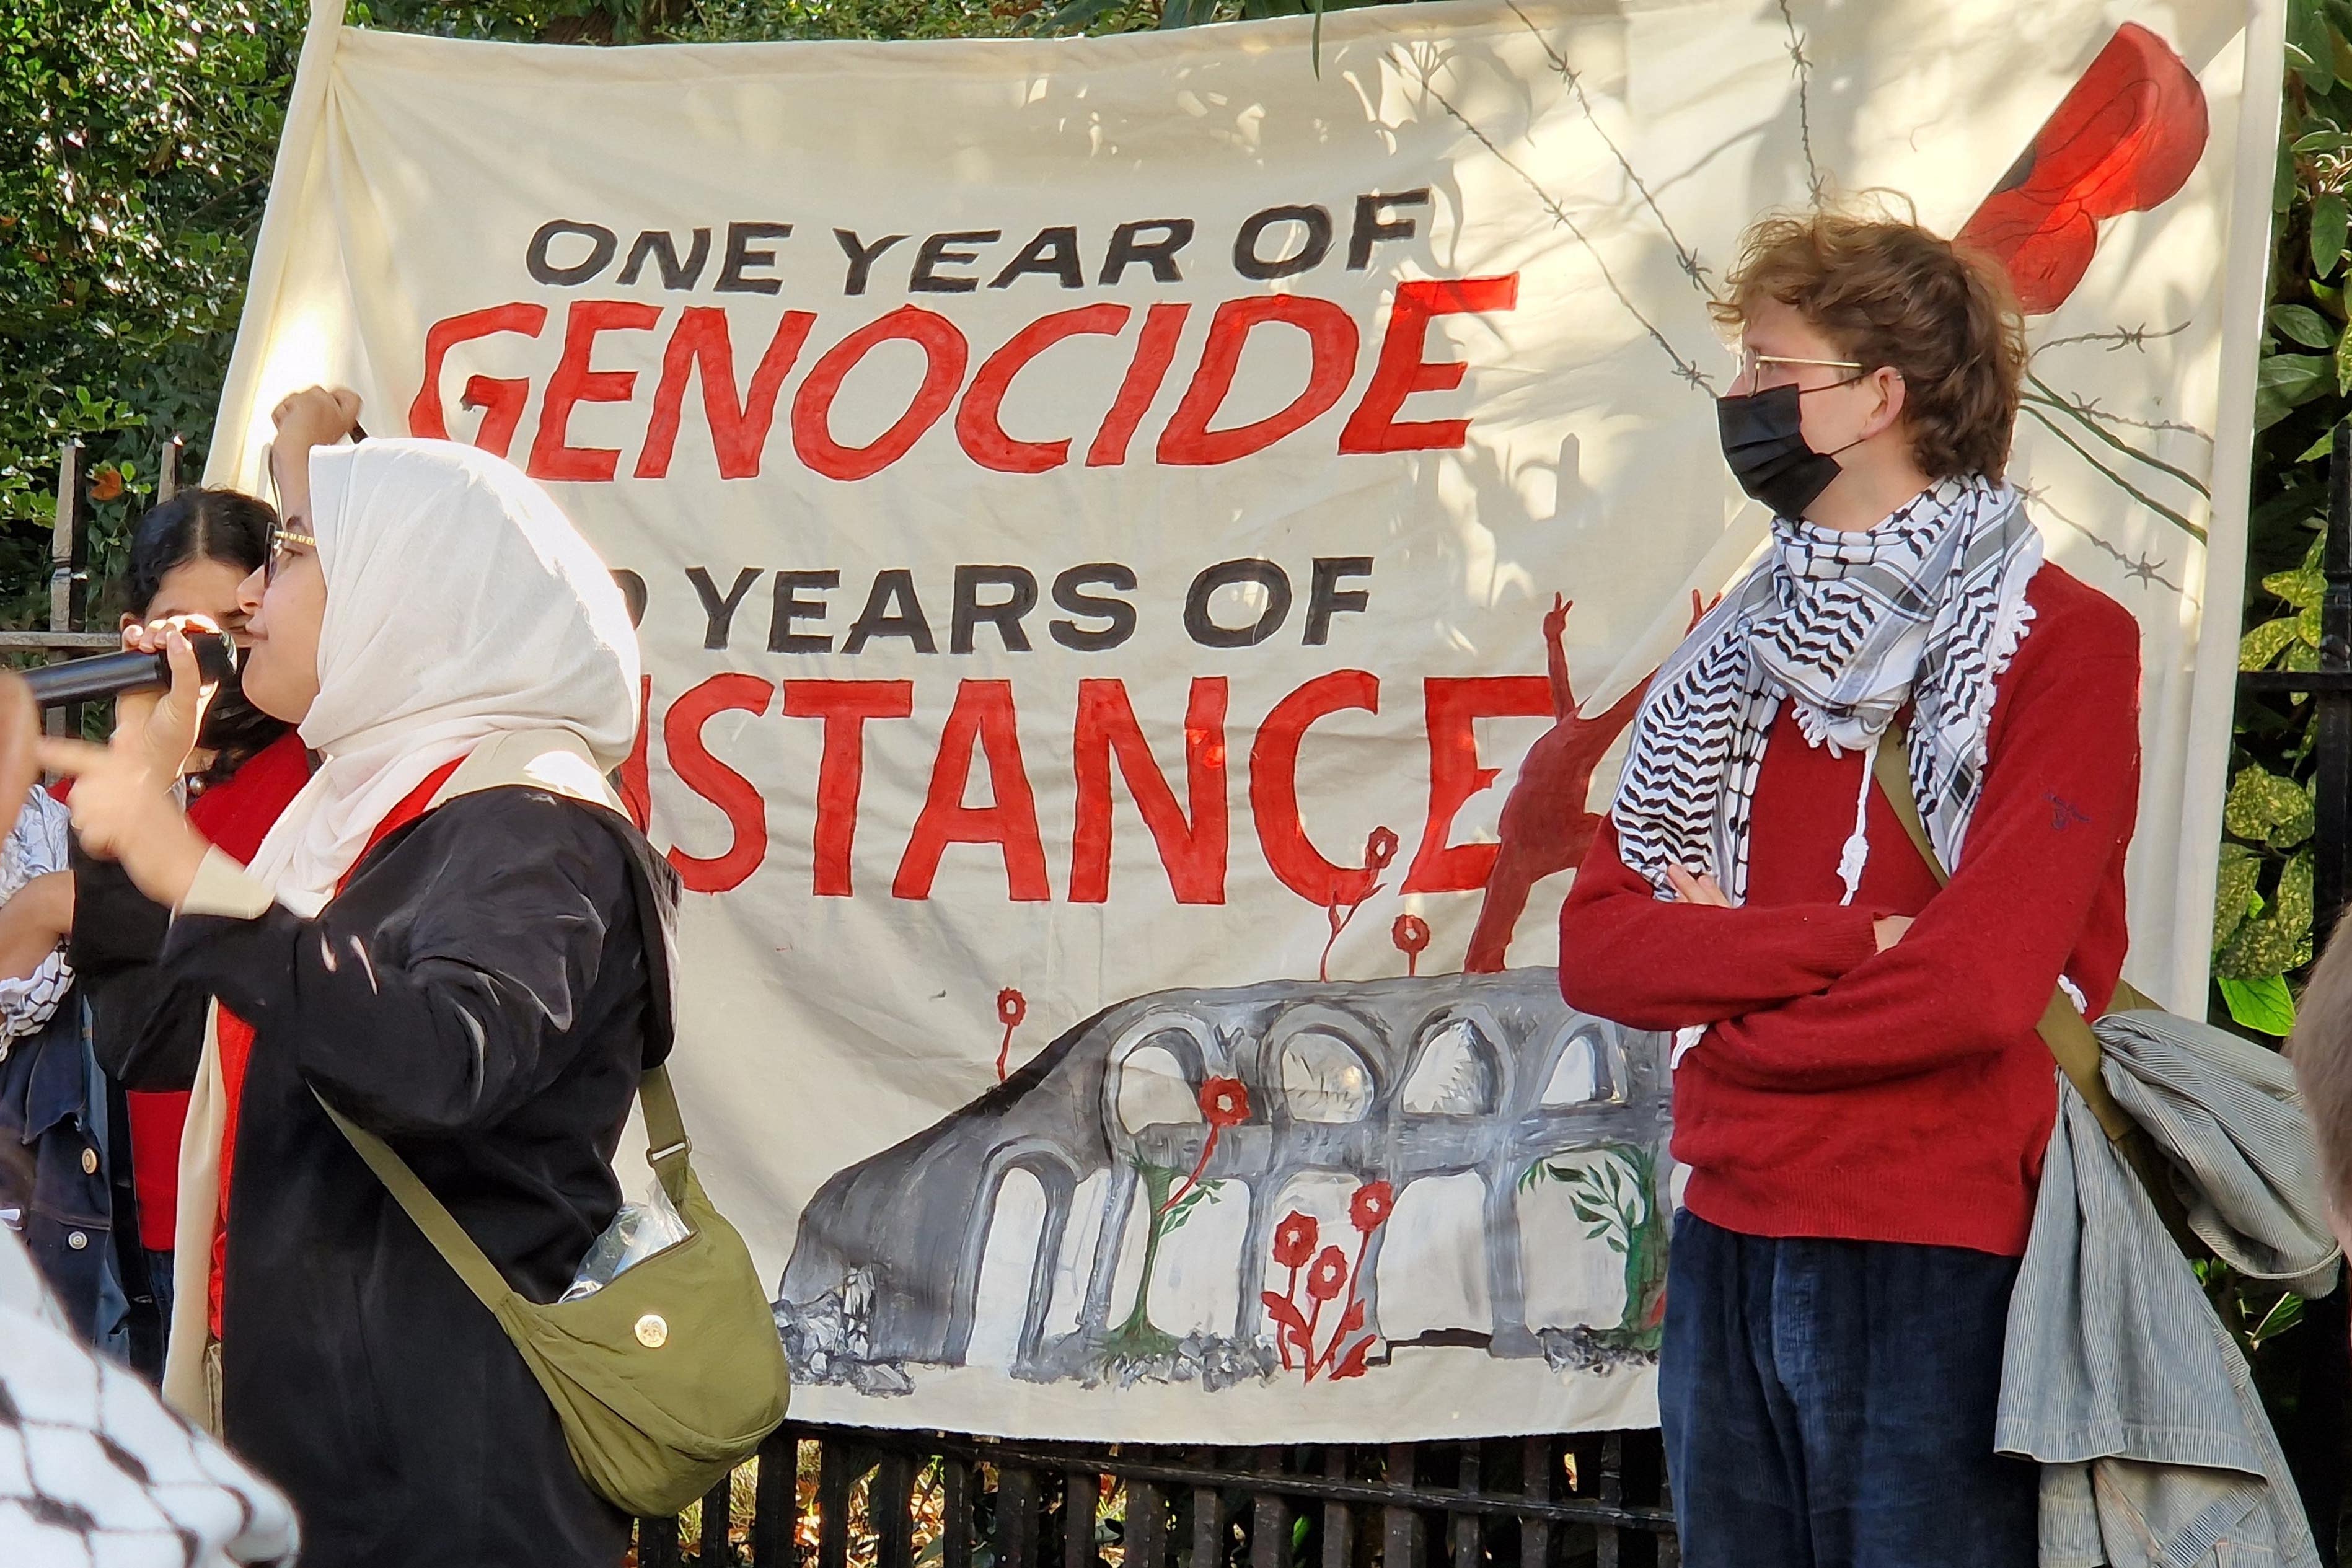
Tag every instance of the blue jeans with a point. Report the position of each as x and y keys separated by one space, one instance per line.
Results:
x=1829 y=1405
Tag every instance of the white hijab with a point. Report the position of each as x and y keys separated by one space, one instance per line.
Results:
x=460 y=602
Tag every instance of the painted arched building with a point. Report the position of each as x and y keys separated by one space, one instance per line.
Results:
x=1424 y=1156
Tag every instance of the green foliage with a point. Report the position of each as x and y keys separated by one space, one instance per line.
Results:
x=137 y=150
x=2263 y=907
x=1617 y=1199
x=136 y=142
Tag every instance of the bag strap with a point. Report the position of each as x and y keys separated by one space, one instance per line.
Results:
x=666 y=1144
x=2062 y=1027
x=668 y=1147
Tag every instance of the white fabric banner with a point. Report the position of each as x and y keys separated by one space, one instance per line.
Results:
x=1146 y=556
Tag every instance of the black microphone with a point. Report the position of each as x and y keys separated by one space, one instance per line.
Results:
x=112 y=674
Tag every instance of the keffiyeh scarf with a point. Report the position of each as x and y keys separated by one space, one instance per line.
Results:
x=1927 y=609
x=36 y=846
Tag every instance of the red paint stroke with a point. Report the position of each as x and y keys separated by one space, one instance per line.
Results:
x=2123 y=140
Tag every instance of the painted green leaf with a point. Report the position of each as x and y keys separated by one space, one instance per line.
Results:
x=2233 y=891
x=2264 y=1005
x=2302 y=324
x=2266 y=642
x=2302 y=658
x=2330 y=219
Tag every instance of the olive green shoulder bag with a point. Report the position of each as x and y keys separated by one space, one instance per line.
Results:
x=669 y=1376
x=672 y=1374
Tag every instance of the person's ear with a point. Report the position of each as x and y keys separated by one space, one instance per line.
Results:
x=1887 y=382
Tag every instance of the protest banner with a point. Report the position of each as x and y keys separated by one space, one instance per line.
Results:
x=1148 y=548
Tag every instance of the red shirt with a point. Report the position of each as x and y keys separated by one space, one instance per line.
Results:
x=1902 y=1096
x=234 y=816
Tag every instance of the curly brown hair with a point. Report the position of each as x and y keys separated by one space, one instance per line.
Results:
x=1893 y=294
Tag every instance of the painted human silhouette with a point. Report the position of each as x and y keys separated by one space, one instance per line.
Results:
x=1546 y=826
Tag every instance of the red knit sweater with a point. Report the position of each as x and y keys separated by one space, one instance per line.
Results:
x=1901 y=1096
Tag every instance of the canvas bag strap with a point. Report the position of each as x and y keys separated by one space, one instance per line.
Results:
x=2062 y=1027
x=667 y=1147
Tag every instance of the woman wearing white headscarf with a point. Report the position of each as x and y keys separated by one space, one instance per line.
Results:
x=451 y=936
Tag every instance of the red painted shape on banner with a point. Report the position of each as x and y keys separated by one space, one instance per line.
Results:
x=945 y=355
x=983 y=712
x=1331 y=340
x=1547 y=824
x=574 y=383
x=501 y=399
x=636 y=784
x=2124 y=138
x=977 y=426
x=1453 y=705
x=845 y=706
x=1273 y=783
x=1155 y=351
x=1193 y=852
x=739 y=430
x=746 y=810
x=1402 y=371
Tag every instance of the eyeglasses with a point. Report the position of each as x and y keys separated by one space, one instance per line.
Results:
x=1761 y=372
x=283 y=542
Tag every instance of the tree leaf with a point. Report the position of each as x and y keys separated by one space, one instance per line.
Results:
x=2260 y=801
x=2258 y=647
x=2286 y=381
x=2233 y=891
x=2302 y=324
x=2265 y=1004
x=2329 y=218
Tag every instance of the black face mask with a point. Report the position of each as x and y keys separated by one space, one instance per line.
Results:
x=1764 y=442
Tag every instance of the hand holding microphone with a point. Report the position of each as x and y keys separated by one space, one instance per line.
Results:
x=121 y=804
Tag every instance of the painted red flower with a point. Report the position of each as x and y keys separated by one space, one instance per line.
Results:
x=1375 y=1202
x=1224 y=1101
x=1328 y=1275
x=1011 y=1007
x=1379 y=849
x=1294 y=1240
x=1410 y=933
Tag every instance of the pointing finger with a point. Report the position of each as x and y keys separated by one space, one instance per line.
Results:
x=72 y=758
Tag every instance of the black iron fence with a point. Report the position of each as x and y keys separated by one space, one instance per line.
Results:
x=831 y=1495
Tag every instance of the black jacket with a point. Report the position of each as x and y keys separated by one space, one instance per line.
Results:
x=484 y=995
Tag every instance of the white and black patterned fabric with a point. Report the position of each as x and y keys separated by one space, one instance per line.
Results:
x=37 y=845
x=1928 y=607
x=96 y=1473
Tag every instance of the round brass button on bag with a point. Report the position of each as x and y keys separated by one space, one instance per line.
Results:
x=652 y=1332
x=89 y=1161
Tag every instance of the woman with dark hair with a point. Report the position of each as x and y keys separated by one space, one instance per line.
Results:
x=187 y=558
